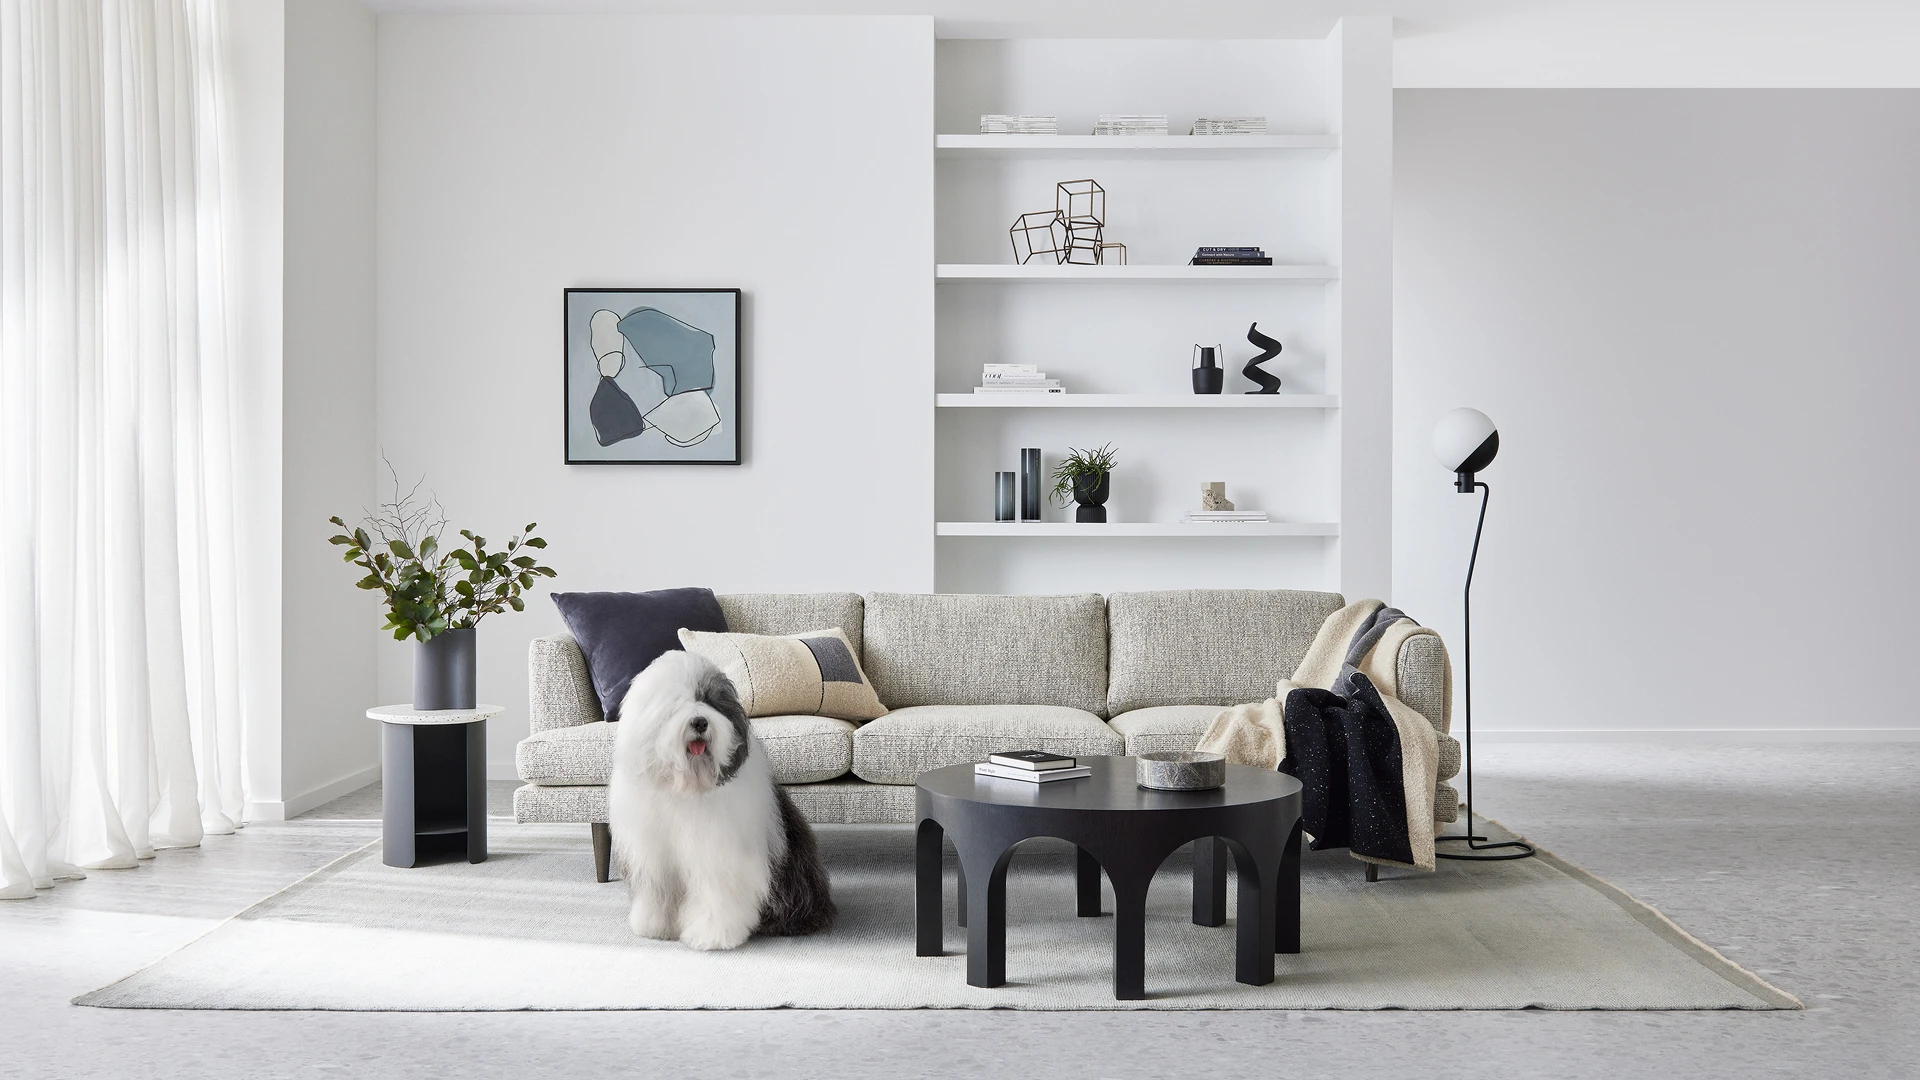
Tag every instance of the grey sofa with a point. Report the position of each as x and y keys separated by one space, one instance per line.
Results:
x=968 y=675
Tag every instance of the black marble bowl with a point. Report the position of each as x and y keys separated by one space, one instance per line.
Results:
x=1181 y=770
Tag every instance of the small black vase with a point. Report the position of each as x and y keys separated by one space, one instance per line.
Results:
x=443 y=671
x=1208 y=376
x=1092 y=499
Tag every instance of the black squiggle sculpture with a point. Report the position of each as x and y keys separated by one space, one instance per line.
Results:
x=1269 y=348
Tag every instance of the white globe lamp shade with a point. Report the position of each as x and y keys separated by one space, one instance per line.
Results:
x=1465 y=441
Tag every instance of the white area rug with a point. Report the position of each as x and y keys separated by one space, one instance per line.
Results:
x=530 y=929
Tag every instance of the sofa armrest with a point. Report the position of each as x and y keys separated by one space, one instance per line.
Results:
x=558 y=690
x=1426 y=679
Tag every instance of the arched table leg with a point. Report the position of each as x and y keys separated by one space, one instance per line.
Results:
x=1086 y=880
x=960 y=900
x=1209 y=881
x=1259 y=874
x=1287 y=897
x=987 y=925
x=928 y=930
x=1129 y=933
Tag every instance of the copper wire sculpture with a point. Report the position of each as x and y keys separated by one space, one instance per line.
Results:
x=1043 y=232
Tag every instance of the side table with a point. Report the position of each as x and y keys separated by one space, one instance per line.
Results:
x=433 y=771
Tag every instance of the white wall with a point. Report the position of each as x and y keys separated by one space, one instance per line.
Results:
x=788 y=157
x=328 y=747
x=1692 y=315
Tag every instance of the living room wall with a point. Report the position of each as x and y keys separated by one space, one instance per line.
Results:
x=788 y=157
x=1692 y=315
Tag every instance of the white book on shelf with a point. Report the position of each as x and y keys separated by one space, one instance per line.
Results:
x=1011 y=369
x=1019 y=389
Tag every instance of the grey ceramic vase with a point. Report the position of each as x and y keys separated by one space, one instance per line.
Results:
x=444 y=671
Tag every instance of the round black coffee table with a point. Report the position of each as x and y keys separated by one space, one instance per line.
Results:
x=1128 y=831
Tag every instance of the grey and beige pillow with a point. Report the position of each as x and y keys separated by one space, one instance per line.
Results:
x=810 y=674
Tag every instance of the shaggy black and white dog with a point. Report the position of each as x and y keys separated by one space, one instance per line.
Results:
x=712 y=849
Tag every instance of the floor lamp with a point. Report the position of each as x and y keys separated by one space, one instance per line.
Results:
x=1465 y=441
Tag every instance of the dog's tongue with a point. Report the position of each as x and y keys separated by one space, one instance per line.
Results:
x=697 y=747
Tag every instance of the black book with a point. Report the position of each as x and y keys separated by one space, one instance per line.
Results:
x=1032 y=760
x=1230 y=251
x=1228 y=260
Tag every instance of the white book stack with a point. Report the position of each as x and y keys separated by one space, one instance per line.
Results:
x=1003 y=124
x=1131 y=124
x=1016 y=379
x=1230 y=125
x=1228 y=517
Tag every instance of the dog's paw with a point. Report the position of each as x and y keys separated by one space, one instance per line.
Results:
x=710 y=934
x=651 y=922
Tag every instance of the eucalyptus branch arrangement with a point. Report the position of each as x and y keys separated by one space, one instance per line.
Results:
x=1083 y=467
x=431 y=588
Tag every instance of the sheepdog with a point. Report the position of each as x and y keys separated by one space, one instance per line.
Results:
x=711 y=848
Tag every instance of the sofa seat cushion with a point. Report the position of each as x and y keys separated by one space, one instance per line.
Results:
x=1164 y=727
x=901 y=745
x=801 y=750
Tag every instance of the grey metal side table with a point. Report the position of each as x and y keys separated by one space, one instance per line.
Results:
x=433 y=772
x=1127 y=831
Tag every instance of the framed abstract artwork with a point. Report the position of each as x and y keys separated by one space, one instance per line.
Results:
x=653 y=376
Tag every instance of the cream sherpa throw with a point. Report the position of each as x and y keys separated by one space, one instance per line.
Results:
x=1256 y=734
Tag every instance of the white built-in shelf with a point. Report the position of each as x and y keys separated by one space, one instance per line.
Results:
x=1048 y=272
x=1211 y=531
x=1171 y=146
x=1137 y=401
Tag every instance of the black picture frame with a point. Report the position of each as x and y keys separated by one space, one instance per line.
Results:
x=589 y=397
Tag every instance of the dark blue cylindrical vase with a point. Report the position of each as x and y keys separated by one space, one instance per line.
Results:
x=1030 y=480
x=444 y=671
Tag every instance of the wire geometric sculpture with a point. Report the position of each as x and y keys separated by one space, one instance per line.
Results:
x=1043 y=232
x=1081 y=202
x=1083 y=244
x=1113 y=253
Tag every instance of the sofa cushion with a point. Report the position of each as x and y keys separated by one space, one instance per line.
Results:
x=1164 y=727
x=793 y=613
x=621 y=633
x=901 y=745
x=815 y=673
x=955 y=649
x=1208 y=646
x=800 y=749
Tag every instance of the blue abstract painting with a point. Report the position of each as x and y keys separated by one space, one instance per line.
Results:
x=653 y=376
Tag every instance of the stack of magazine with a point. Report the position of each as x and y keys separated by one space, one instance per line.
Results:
x=1002 y=124
x=1230 y=256
x=1230 y=125
x=1031 y=766
x=1130 y=124
x=1016 y=379
x=1228 y=516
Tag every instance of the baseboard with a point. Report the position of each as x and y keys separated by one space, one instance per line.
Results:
x=1701 y=735
x=284 y=809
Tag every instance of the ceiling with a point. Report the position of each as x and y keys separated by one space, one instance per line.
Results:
x=1438 y=43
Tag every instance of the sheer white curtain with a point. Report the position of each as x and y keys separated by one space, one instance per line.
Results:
x=119 y=690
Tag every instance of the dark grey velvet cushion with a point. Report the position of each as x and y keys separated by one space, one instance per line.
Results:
x=620 y=633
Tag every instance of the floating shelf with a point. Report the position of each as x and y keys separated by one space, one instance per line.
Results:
x=1032 y=272
x=1173 y=146
x=1135 y=528
x=1137 y=401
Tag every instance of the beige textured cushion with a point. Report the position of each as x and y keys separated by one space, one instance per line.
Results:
x=800 y=749
x=1164 y=727
x=793 y=613
x=813 y=673
x=1208 y=646
x=955 y=649
x=901 y=745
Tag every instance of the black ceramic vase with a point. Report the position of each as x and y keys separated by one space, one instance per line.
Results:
x=443 y=671
x=1208 y=375
x=1092 y=499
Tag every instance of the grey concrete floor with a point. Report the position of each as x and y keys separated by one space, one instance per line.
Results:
x=1801 y=862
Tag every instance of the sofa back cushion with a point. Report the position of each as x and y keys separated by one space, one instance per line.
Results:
x=956 y=649
x=793 y=613
x=1208 y=646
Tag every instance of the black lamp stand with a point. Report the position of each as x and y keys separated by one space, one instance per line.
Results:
x=1479 y=847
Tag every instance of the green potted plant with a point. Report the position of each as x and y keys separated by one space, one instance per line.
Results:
x=1085 y=475
x=437 y=593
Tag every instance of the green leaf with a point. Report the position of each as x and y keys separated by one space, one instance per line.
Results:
x=547 y=571
x=535 y=542
x=427 y=547
x=464 y=588
x=343 y=538
x=530 y=526
x=518 y=605
x=371 y=581
x=335 y=520
x=524 y=561
x=526 y=581
x=400 y=548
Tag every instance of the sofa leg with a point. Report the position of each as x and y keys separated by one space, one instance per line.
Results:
x=1373 y=869
x=602 y=852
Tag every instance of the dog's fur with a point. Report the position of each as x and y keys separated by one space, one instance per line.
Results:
x=712 y=849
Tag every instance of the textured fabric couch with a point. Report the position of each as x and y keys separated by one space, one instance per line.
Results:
x=967 y=675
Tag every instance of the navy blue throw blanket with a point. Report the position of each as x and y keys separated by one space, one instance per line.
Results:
x=1345 y=751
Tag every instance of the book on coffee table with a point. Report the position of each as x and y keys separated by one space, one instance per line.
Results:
x=1030 y=776
x=1034 y=760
